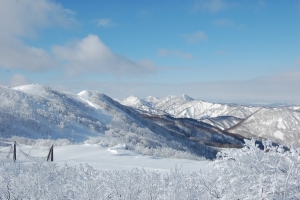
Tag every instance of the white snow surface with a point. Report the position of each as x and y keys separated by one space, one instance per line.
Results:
x=116 y=158
x=105 y=158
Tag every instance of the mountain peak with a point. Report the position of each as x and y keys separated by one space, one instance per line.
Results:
x=85 y=93
x=29 y=87
x=39 y=90
x=186 y=97
x=151 y=99
x=131 y=100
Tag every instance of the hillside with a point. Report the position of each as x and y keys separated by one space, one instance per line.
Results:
x=279 y=123
x=187 y=107
x=34 y=111
x=178 y=127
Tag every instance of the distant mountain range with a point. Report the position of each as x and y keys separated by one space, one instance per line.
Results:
x=171 y=126
x=280 y=124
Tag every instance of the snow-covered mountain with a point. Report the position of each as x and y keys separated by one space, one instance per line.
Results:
x=186 y=107
x=40 y=112
x=171 y=126
x=35 y=111
x=137 y=103
x=281 y=124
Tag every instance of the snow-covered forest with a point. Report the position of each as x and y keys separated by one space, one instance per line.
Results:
x=247 y=173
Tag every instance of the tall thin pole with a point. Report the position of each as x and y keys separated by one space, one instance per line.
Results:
x=15 y=152
x=52 y=153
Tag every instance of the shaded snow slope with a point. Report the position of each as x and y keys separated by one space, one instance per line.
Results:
x=281 y=125
x=222 y=122
x=146 y=132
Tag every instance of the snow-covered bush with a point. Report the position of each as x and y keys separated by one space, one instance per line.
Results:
x=252 y=173
x=166 y=152
x=48 y=181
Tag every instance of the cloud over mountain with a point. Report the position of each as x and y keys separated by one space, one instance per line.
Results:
x=91 y=55
x=18 y=79
x=23 y=20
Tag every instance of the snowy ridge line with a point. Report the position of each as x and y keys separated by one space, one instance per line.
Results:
x=243 y=120
x=189 y=108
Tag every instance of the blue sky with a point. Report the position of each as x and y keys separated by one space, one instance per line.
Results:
x=217 y=50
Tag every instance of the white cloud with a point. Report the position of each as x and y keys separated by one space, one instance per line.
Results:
x=17 y=80
x=91 y=55
x=174 y=53
x=15 y=55
x=283 y=88
x=210 y=5
x=105 y=22
x=22 y=19
x=195 y=37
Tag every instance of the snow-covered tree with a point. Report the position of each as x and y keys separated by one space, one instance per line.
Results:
x=252 y=173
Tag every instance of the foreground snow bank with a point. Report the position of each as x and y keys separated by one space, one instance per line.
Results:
x=248 y=173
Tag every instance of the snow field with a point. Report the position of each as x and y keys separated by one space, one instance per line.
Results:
x=106 y=158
